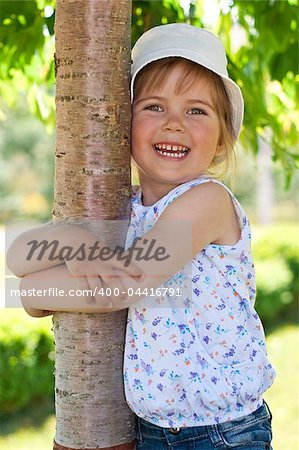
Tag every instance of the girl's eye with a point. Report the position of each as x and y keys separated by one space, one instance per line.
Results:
x=197 y=111
x=154 y=108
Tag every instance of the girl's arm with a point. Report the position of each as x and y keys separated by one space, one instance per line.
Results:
x=38 y=249
x=201 y=216
x=49 y=246
x=55 y=289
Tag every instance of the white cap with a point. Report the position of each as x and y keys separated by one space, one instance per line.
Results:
x=189 y=42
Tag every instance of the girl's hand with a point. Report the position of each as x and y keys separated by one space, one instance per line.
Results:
x=33 y=312
x=64 y=299
x=98 y=275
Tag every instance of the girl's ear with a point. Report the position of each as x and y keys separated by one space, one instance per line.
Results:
x=219 y=154
x=220 y=148
x=220 y=144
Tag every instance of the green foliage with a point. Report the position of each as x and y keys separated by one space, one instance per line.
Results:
x=26 y=167
x=265 y=65
x=21 y=33
x=148 y=14
x=276 y=256
x=26 y=364
x=274 y=284
x=261 y=40
x=27 y=47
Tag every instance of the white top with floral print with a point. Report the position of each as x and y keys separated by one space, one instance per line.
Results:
x=199 y=359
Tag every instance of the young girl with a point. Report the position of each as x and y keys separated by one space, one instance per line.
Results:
x=195 y=374
x=195 y=363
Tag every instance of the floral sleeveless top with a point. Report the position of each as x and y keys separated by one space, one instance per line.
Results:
x=200 y=359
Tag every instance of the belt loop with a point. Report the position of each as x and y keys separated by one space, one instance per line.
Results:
x=214 y=435
x=268 y=409
x=138 y=430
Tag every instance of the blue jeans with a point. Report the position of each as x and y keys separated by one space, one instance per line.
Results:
x=252 y=432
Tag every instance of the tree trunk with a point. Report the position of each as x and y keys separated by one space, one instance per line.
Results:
x=92 y=182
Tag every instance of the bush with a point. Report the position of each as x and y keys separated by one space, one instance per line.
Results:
x=276 y=257
x=26 y=364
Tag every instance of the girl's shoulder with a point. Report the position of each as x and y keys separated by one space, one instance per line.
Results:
x=213 y=210
x=201 y=192
x=202 y=186
x=199 y=200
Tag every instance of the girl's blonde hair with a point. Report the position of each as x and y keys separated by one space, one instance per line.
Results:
x=153 y=77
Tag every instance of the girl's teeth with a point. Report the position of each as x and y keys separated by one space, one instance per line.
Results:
x=172 y=155
x=173 y=148
x=180 y=150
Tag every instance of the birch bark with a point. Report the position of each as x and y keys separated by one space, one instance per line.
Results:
x=92 y=182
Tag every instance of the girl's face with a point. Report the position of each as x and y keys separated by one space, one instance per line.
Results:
x=174 y=136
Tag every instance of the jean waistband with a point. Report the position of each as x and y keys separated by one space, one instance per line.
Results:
x=262 y=412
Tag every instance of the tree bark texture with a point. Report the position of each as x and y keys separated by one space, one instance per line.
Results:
x=92 y=183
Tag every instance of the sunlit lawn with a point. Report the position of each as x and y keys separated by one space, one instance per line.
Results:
x=283 y=397
x=23 y=432
x=31 y=438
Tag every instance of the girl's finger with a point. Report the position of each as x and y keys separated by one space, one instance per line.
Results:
x=94 y=284
x=132 y=269
x=83 y=285
x=76 y=269
x=99 y=292
x=114 y=282
x=33 y=312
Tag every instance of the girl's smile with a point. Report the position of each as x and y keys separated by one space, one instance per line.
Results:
x=171 y=150
x=175 y=135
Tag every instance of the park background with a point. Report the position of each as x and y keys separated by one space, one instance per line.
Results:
x=261 y=39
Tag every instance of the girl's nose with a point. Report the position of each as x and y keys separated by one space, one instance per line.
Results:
x=173 y=123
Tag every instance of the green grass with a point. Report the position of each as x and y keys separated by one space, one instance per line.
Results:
x=34 y=429
x=283 y=396
x=31 y=438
